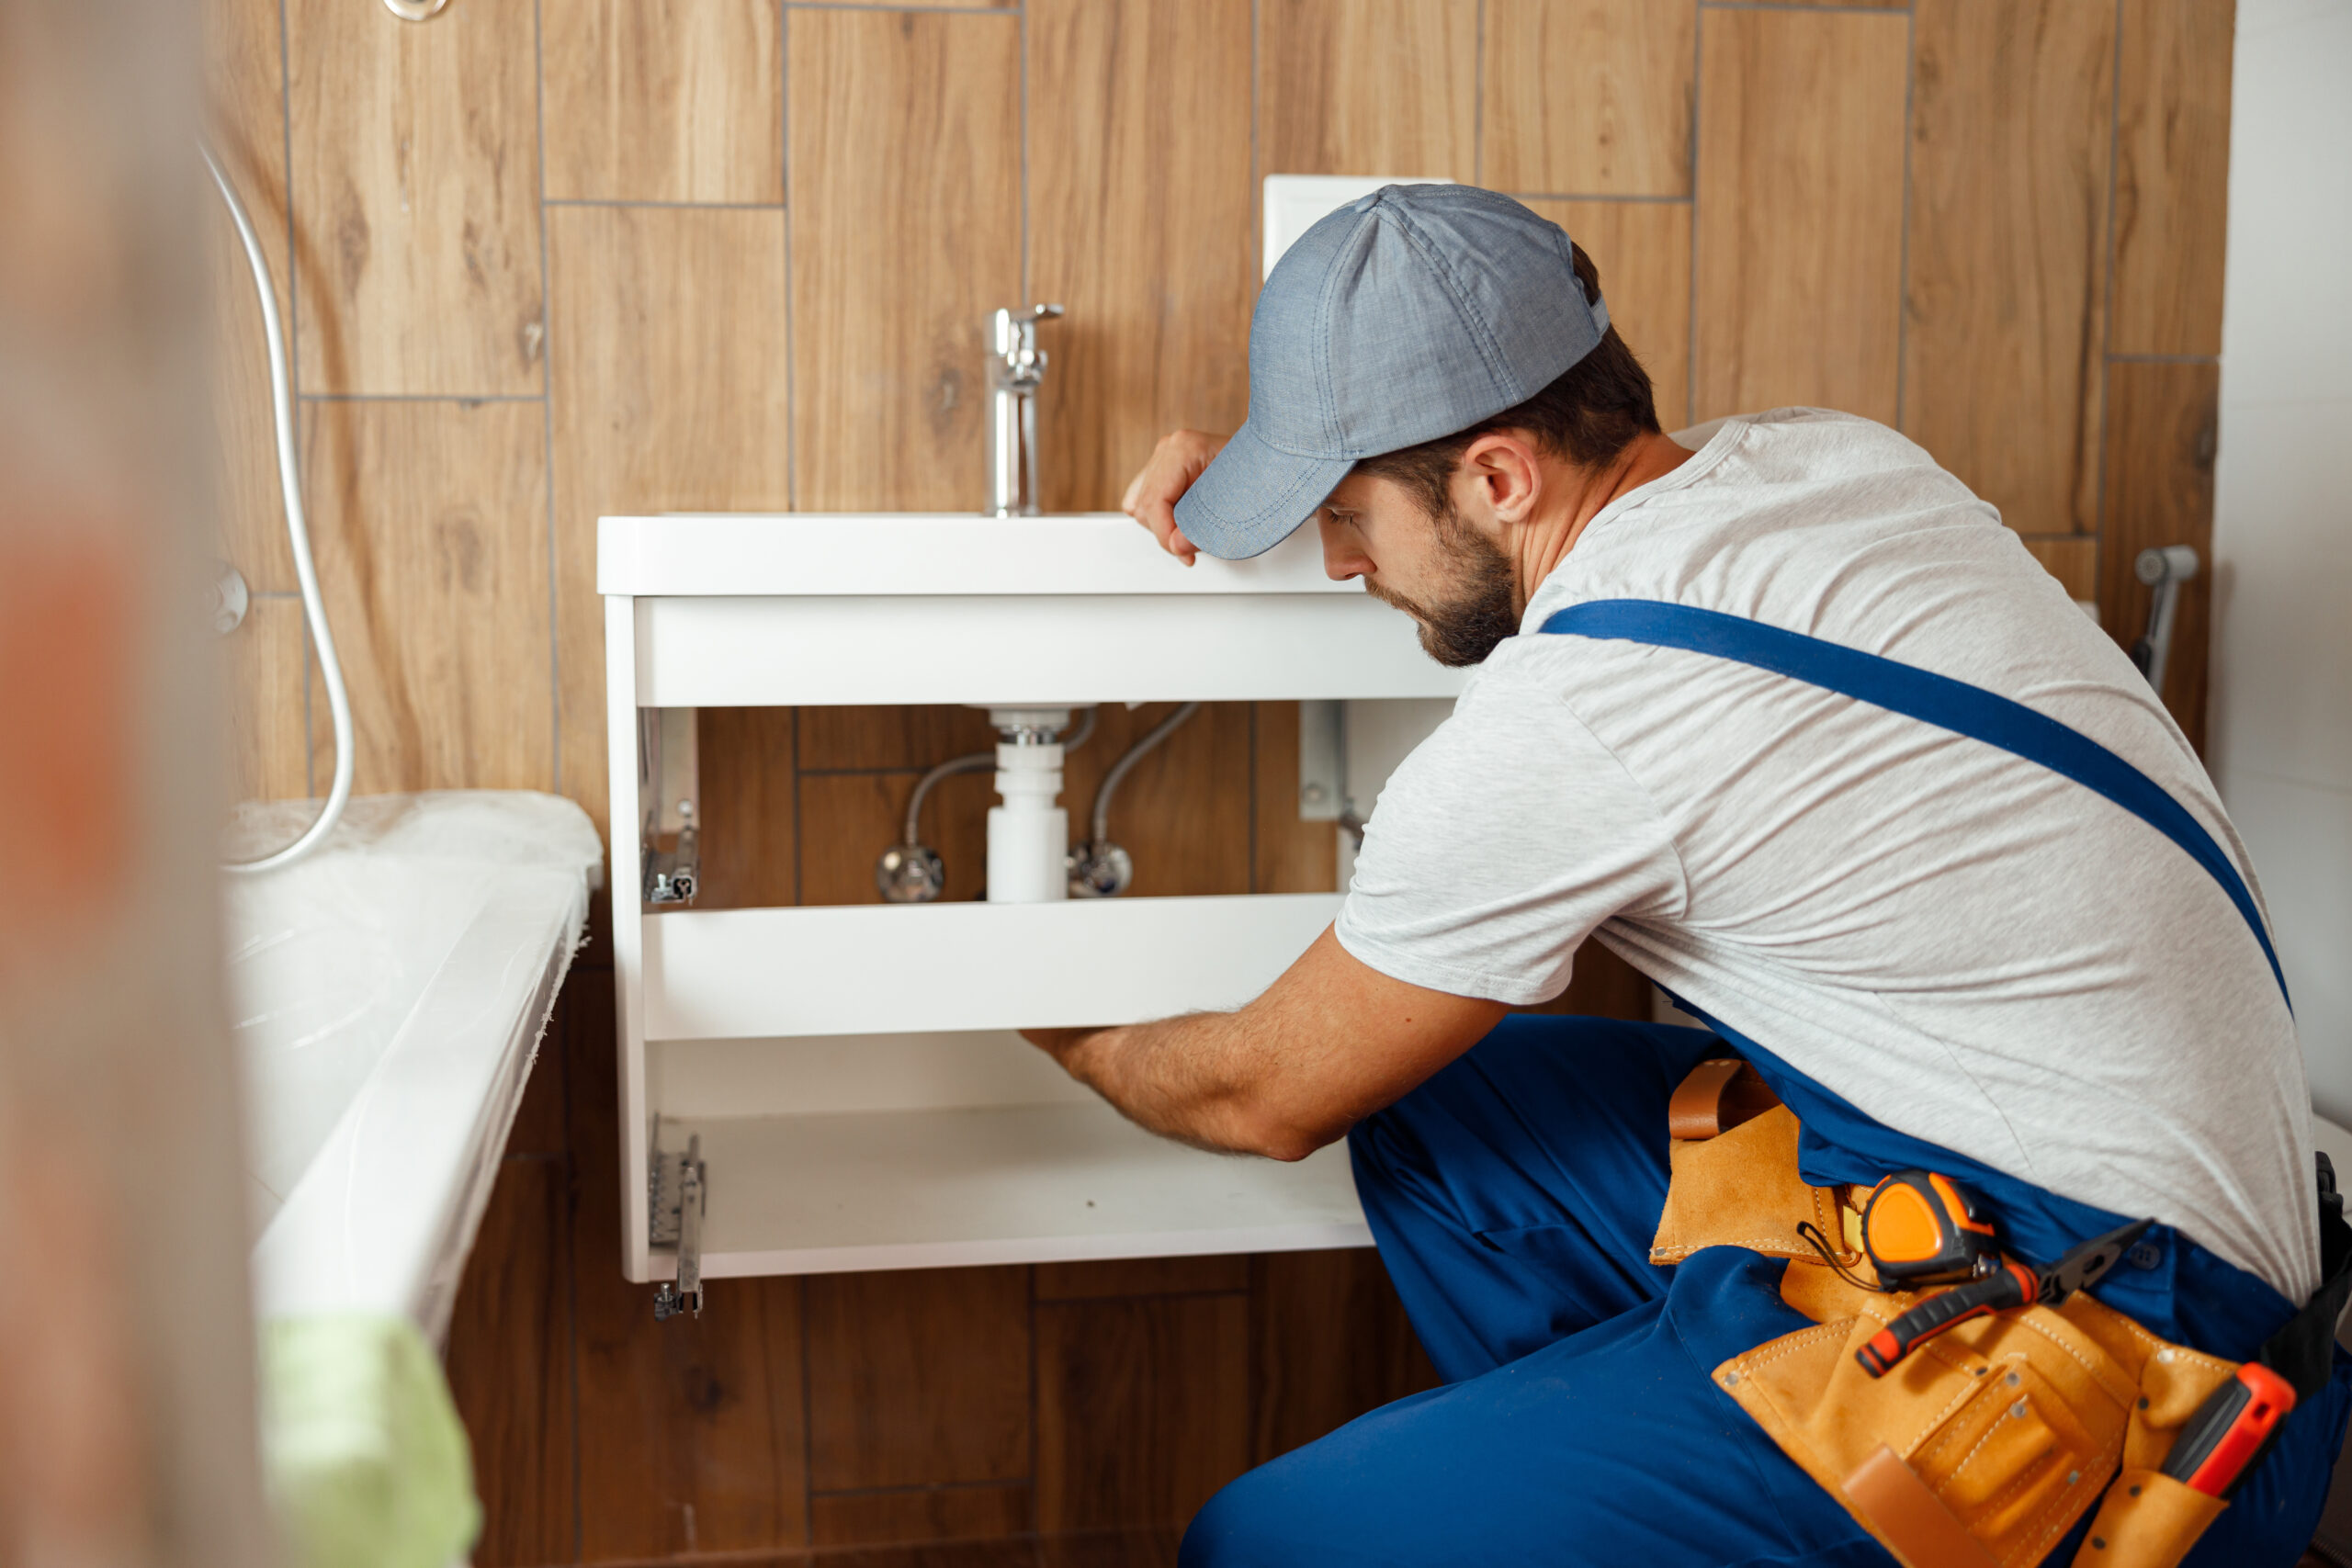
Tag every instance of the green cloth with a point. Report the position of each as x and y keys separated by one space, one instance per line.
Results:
x=367 y=1463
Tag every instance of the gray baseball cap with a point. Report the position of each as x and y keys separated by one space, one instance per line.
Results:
x=1409 y=314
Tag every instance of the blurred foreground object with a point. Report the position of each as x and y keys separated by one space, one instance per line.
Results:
x=127 y=1410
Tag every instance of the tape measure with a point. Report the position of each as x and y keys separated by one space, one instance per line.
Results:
x=1919 y=1229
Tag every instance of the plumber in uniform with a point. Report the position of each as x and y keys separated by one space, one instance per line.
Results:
x=1941 y=953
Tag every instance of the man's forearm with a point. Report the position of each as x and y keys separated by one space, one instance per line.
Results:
x=1200 y=1078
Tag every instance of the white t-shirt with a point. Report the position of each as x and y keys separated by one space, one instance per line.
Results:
x=1965 y=945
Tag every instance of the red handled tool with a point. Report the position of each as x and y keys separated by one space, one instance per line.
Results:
x=2231 y=1431
x=2010 y=1285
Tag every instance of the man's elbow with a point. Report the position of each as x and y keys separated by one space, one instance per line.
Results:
x=1276 y=1135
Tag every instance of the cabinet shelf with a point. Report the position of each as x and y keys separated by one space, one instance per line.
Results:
x=993 y=1184
x=885 y=969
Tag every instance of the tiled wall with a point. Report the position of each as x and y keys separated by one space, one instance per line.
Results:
x=2283 y=661
x=581 y=256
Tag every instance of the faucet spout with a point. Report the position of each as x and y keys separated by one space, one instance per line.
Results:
x=1016 y=367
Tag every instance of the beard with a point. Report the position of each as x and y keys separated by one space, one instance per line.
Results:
x=1479 y=607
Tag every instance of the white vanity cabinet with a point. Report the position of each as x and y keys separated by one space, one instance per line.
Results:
x=851 y=1072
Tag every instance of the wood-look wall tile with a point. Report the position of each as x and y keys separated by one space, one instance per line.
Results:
x=416 y=200
x=848 y=820
x=913 y=736
x=510 y=1366
x=2010 y=126
x=1601 y=985
x=1143 y=1407
x=430 y=522
x=1182 y=811
x=1588 y=96
x=748 y=846
x=691 y=1431
x=2161 y=430
x=1331 y=1342
x=1800 y=241
x=1141 y=222
x=542 y=1126
x=2172 y=173
x=1368 y=87
x=669 y=395
x=677 y=102
x=1642 y=251
x=918 y=1379
x=1141 y=1277
x=905 y=137
x=1289 y=855
x=264 y=673
x=917 y=1514
x=2072 y=560
x=1111 y=1549
x=245 y=72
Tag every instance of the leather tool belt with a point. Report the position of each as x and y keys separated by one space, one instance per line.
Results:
x=1986 y=1445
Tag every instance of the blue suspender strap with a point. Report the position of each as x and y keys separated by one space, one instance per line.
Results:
x=1933 y=699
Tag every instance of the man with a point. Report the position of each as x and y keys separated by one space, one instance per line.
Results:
x=1945 y=954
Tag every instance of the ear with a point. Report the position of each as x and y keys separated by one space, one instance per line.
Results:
x=1504 y=474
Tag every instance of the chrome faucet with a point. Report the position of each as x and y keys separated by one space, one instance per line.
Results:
x=1016 y=366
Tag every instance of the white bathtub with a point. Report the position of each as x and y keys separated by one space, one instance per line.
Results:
x=388 y=996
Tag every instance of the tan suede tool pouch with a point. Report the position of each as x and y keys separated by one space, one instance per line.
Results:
x=1985 y=1446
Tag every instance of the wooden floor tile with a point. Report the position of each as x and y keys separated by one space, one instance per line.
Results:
x=918 y=1379
x=920 y=1514
x=691 y=1430
x=1141 y=1277
x=1331 y=1342
x=511 y=1370
x=1143 y=1407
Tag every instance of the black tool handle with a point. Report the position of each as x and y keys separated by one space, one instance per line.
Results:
x=2012 y=1287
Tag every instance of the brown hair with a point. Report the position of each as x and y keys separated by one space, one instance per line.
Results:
x=1589 y=414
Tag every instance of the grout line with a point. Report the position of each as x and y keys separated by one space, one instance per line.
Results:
x=555 y=754
x=1594 y=195
x=919 y=1488
x=547 y=440
x=1256 y=202
x=1035 y=1402
x=1903 y=261
x=1796 y=6
x=2106 y=286
x=466 y=398
x=1691 y=346
x=791 y=327
x=1252 y=878
x=886 y=6
x=633 y=201
x=2162 y=359
x=1242 y=1290
x=294 y=358
x=1020 y=133
x=798 y=841
x=1478 y=105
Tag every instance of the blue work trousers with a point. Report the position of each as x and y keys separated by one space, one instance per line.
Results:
x=1514 y=1196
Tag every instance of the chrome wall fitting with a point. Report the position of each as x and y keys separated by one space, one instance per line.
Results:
x=2165 y=571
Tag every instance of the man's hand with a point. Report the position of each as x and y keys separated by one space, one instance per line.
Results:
x=1331 y=1041
x=1151 y=497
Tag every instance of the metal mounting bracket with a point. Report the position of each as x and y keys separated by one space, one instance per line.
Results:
x=668 y=778
x=677 y=1194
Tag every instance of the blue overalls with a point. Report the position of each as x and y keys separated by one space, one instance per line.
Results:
x=1514 y=1196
